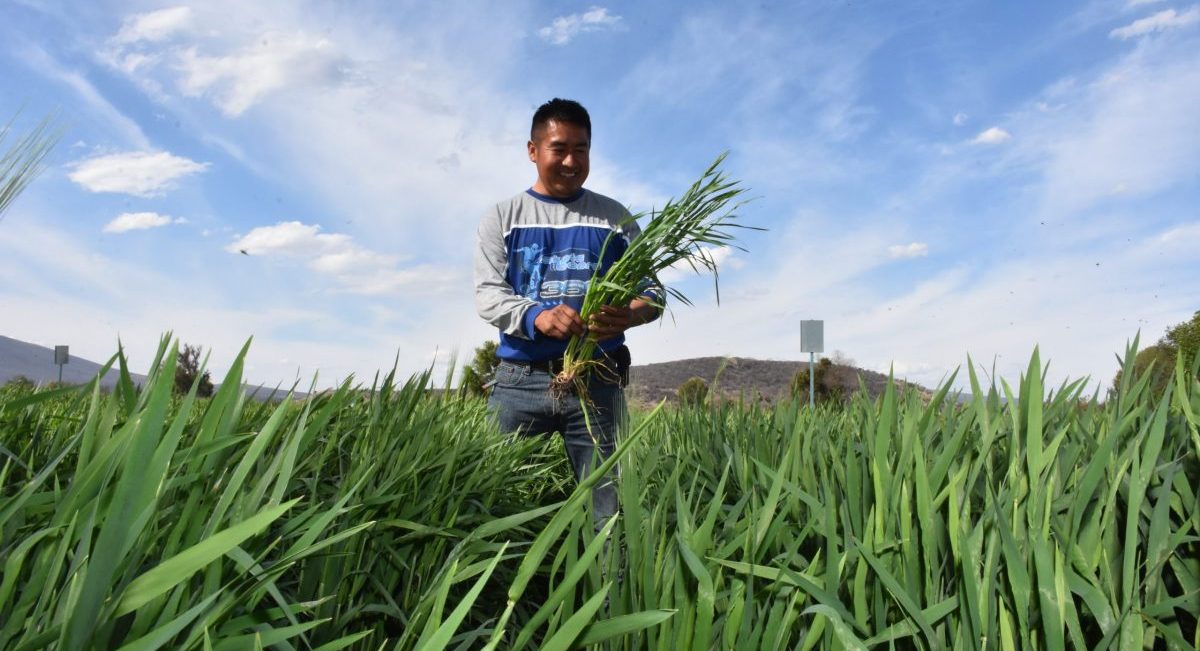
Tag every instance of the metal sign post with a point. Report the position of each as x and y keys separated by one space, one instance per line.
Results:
x=812 y=341
x=62 y=355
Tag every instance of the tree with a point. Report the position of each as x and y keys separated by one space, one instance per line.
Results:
x=1163 y=359
x=692 y=392
x=1184 y=338
x=187 y=366
x=481 y=369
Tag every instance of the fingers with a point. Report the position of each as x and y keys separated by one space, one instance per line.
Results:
x=569 y=320
x=608 y=322
x=559 y=322
x=562 y=322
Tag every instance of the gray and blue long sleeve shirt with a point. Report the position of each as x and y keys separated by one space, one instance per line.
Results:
x=534 y=252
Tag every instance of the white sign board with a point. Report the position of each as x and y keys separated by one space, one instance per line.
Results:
x=61 y=355
x=812 y=336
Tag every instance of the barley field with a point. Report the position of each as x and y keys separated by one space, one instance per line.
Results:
x=390 y=516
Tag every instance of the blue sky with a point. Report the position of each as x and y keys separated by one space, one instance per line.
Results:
x=936 y=179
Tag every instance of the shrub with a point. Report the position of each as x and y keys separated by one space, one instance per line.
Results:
x=693 y=392
x=827 y=383
x=480 y=371
x=20 y=382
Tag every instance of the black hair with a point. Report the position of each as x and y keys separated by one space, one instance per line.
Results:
x=561 y=110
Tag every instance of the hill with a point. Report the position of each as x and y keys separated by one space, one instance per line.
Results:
x=22 y=359
x=765 y=380
x=36 y=363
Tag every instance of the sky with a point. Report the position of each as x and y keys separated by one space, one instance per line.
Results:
x=936 y=180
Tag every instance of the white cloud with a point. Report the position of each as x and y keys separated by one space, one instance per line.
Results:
x=136 y=221
x=911 y=250
x=356 y=269
x=1139 y=3
x=1163 y=20
x=722 y=256
x=564 y=28
x=290 y=238
x=237 y=81
x=992 y=136
x=139 y=173
x=154 y=26
x=137 y=46
x=233 y=63
x=960 y=119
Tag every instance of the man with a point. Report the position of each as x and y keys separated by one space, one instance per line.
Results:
x=535 y=254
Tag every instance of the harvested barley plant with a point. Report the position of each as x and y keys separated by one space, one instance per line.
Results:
x=393 y=517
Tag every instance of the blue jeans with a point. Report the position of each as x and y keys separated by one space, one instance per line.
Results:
x=522 y=401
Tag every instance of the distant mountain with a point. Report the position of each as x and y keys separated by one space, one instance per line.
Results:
x=36 y=363
x=31 y=361
x=756 y=379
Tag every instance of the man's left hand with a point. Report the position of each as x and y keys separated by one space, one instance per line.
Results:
x=611 y=321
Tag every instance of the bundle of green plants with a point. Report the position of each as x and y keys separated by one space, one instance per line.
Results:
x=682 y=234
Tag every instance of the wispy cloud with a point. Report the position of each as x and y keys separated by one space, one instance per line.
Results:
x=237 y=81
x=1186 y=236
x=960 y=119
x=564 y=28
x=138 y=45
x=153 y=26
x=1133 y=130
x=138 y=221
x=911 y=250
x=139 y=173
x=1163 y=20
x=992 y=136
x=357 y=269
x=121 y=124
x=182 y=43
x=762 y=78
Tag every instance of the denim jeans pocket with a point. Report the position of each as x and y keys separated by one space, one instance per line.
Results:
x=509 y=375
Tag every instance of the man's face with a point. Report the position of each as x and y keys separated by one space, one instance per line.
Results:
x=560 y=152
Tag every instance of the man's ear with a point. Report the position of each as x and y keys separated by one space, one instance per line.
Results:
x=532 y=150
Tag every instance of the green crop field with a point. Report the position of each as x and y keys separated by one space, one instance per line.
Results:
x=395 y=517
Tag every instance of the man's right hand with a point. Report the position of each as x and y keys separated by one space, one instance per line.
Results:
x=559 y=322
